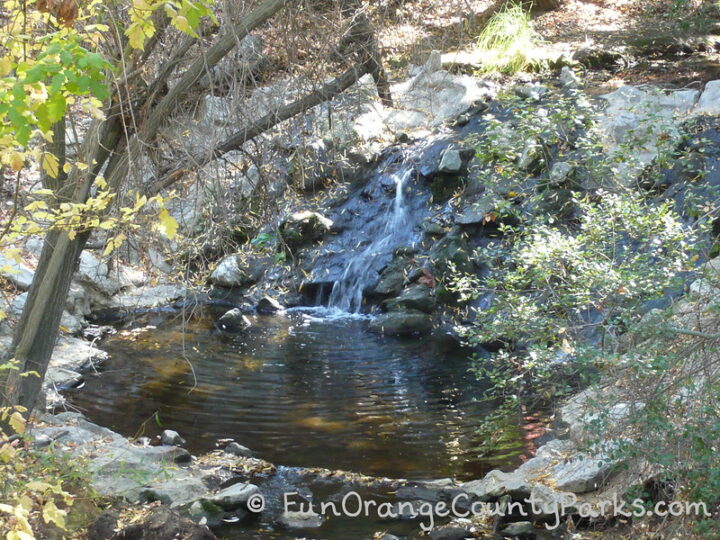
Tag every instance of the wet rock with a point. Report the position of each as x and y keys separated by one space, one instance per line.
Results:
x=171 y=438
x=234 y=497
x=432 y=490
x=392 y=278
x=416 y=297
x=268 y=305
x=303 y=228
x=449 y=252
x=229 y=273
x=301 y=520
x=165 y=524
x=431 y=228
x=238 y=450
x=522 y=530
x=403 y=322
x=233 y=320
x=559 y=172
x=16 y=273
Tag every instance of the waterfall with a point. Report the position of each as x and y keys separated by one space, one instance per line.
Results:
x=347 y=292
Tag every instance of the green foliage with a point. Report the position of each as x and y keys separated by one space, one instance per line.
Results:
x=508 y=41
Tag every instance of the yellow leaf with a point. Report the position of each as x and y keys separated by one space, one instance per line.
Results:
x=17 y=422
x=168 y=226
x=50 y=164
x=7 y=453
x=5 y=66
x=67 y=168
x=182 y=24
x=17 y=161
x=54 y=514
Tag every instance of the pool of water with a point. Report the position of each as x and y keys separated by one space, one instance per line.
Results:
x=301 y=389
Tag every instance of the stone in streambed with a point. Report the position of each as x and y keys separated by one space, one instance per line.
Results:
x=233 y=320
x=238 y=450
x=416 y=297
x=171 y=438
x=405 y=322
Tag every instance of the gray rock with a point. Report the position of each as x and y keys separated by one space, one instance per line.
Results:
x=147 y=297
x=268 y=305
x=449 y=252
x=523 y=530
x=568 y=78
x=392 y=278
x=559 y=172
x=581 y=475
x=228 y=273
x=301 y=520
x=496 y=484
x=164 y=524
x=478 y=211
x=416 y=297
x=402 y=322
x=238 y=450
x=451 y=533
x=709 y=102
x=302 y=228
x=16 y=273
x=545 y=501
x=171 y=438
x=234 y=497
x=451 y=162
x=234 y=320
x=532 y=91
x=245 y=61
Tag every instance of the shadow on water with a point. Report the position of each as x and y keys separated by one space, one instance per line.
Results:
x=301 y=391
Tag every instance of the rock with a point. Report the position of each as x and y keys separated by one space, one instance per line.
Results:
x=238 y=450
x=70 y=324
x=103 y=528
x=599 y=59
x=301 y=520
x=234 y=497
x=165 y=524
x=431 y=490
x=147 y=297
x=568 y=78
x=531 y=91
x=416 y=297
x=582 y=474
x=233 y=320
x=41 y=441
x=451 y=162
x=268 y=305
x=94 y=272
x=545 y=501
x=402 y=322
x=171 y=438
x=496 y=484
x=451 y=533
x=522 y=530
x=478 y=211
x=17 y=273
x=709 y=102
x=559 y=172
x=229 y=274
x=302 y=228
x=392 y=278
x=448 y=252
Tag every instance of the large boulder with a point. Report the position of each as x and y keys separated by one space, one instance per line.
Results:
x=15 y=272
x=402 y=323
x=164 y=524
x=302 y=228
x=415 y=297
x=448 y=253
x=229 y=274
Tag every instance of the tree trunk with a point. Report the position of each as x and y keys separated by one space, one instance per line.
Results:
x=38 y=328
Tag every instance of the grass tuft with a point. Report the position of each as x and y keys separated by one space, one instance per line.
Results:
x=508 y=42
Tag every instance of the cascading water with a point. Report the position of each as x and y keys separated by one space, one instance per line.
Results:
x=347 y=292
